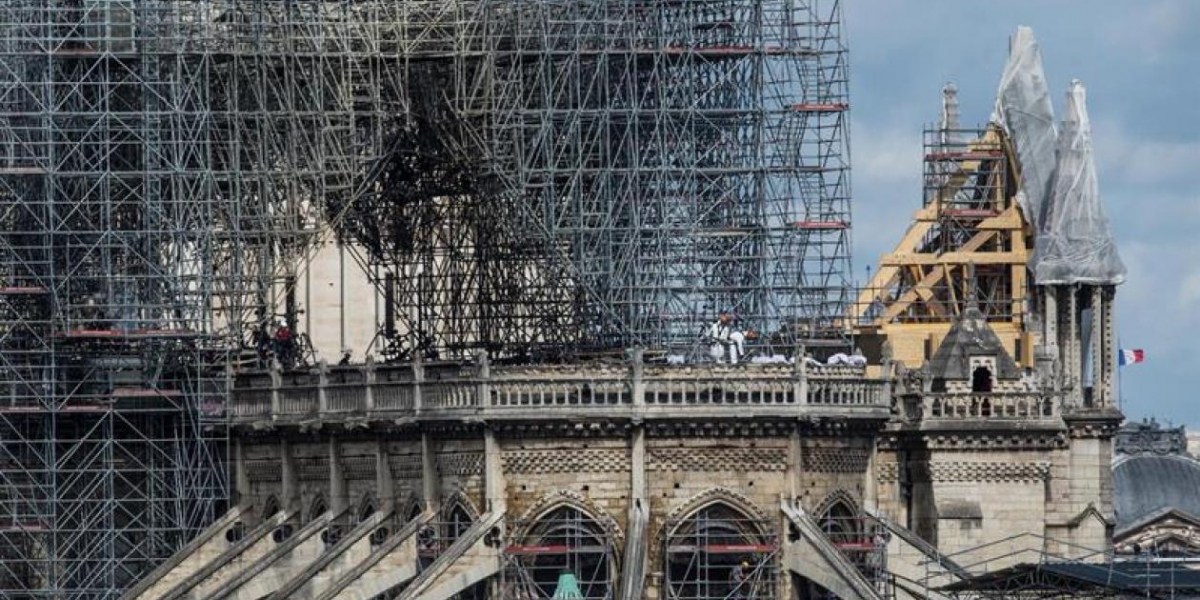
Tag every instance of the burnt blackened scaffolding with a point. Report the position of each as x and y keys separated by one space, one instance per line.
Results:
x=587 y=176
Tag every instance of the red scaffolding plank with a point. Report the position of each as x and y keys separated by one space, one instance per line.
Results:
x=13 y=290
x=85 y=408
x=130 y=392
x=820 y=107
x=17 y=527
x=554 y=549
x=821 y=225
x=125 y=333
x=722 y=548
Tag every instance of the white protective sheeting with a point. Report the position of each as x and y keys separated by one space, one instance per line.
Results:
x=1076 y=243
x=1024 y=109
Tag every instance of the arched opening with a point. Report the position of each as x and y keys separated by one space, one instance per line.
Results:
x=720 y=552
x=366 y=509
x=318 y=507
x=434 y=538
x=270 y=507
x=456 y=521
x=566 y=554
x=981 y=380
x=841 y=523
x=859 y=539
x=414 y=511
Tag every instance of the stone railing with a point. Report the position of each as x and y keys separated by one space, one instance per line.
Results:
x=452 y=390
x=987 y=406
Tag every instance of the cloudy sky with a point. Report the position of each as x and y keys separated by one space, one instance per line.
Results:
x=1140 y=60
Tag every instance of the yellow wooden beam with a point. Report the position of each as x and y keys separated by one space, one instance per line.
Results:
x=954 y=258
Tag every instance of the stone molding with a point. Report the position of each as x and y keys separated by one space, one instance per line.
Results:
x=405 y=466
x=358 y=467
x=716 y=459
x=996 y=441
x=263 y=469
x=587 y=460
x=711 y=496
x=888 y=472
x=835 y=460
x=460 y=464
x=459 y=498
x=560 y=498
x=314 y=468
x=984 y=472
x=838 y=496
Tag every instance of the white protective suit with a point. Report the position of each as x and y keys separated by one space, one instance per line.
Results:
x=723 y=336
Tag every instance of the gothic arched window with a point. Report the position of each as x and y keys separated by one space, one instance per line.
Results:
x=719 y=552
x=564 y=554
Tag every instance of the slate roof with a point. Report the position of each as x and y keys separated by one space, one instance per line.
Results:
x=1145 y=484
x=969 y=336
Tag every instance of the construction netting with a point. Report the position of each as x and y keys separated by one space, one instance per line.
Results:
x=1059 y=193
x=1023 y=108
x=1076 y=242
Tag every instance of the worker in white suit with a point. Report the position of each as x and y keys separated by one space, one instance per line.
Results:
x=725 y=339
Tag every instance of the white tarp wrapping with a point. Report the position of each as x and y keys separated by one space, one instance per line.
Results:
x=1023 y=108
x=1076 y=243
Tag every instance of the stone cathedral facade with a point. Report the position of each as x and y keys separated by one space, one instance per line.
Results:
x=980 y=428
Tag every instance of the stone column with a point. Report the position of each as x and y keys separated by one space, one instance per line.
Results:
x=418 y=374
x=1097 y=347
x=1073 y=362
x=385 y=484
x=276 y=383
x=800 y=376
x=1050 y=317
x=322 y=387
x=637 y=370
x=493 y=474
x=242 y=476
x=1108 y=348
x=484 y=373
x=430 y=485
x=792 y=470
x=369 y=383
x=339 y=497
x=289 y=483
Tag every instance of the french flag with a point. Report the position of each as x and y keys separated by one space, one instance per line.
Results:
x=1131 y=357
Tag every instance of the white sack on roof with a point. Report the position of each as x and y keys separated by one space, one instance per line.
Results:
x=1023 y=108
x=1076 y=244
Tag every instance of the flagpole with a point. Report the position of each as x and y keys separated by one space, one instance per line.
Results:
x=1120 y=377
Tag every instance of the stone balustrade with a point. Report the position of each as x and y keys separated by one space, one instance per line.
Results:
x=452 y=390
x=988 y=406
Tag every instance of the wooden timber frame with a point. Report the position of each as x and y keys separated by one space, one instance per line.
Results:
x=969 y=242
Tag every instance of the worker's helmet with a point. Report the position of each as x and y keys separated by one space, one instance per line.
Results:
x=746 y=563
x=282 y=322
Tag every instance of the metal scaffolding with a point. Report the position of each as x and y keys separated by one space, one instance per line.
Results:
x=536 y=179
x=720 y=553
x=163 y=168
x=587 y=176
x=564 y=554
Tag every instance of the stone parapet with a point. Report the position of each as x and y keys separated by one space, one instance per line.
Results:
x=433 y=391
x=985 y=406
